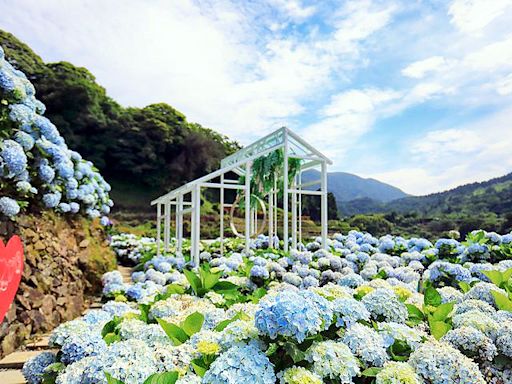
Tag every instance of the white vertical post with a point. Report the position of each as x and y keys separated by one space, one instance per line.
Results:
x=271 y=218
x=221 y=215
x=196 y=224
x=179 y=219
x=285 y=192
x=247 y=205
x=324 y=204
x=158 y=227
x=276 y=226
x=294 y=216
x=300 y=205
x=167 y=226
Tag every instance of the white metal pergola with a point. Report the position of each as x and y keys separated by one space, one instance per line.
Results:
x=187 y=198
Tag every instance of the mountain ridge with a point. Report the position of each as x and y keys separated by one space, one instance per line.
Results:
x=493 y=195
x=348 y=186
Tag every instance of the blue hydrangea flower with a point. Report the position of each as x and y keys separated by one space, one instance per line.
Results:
x=9 y=207
x=440 y=363
x=482 y=291
x=293 y=314
x=81 y=345
x=383 y=304
x=14 y=156
x=334 y=360
x=471 y=342
x=33 y=368
x=352 y=280
x=51 y=200
x=241 y=364
x=25 y=140
x=348 y=311
x=258 y=271
x=367 y=344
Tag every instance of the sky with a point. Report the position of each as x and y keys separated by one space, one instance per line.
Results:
x=414 y=93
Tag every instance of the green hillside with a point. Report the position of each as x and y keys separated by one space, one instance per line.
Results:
x=154 y=147
x=486 y=205
x=494 y=195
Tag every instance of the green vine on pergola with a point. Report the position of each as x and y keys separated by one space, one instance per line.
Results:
x=267 y=171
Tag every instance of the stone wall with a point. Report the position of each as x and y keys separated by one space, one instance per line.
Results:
x=64 y=261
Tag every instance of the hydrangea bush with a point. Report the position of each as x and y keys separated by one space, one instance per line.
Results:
x=37 y=169
x=381 y=310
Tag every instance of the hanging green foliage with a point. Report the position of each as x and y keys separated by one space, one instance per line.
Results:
x=268 y=171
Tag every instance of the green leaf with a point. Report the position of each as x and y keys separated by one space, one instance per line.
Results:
x=163 y=378
x=502 y=301
x=439 y=328
x=111 y=338
x=144 y=312
x=174 y=288
x=193 y=323
x=496 y=277
x=112 y=380
x=507 y=274
x=465 y=287
x=381 y=275
x=111 y=326
x=294 y=352
x=442 y=312
x=177 y=335
x=210 y=279
x=272 y=348
x=199 y=367
x=415 y=313
x=371 y=372
x=259 y=293
x=223 y=324
x=222 y=286
x=432 y=297
x=400 y=350
x=193 y=280
x=51 y=372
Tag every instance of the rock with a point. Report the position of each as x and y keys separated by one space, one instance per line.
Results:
x=24 y=301
x=48 y=305
x=84 y=243
x=17 y=334
x=39 y=246
x=35 y=297
x=64 y=260
x=31 y=234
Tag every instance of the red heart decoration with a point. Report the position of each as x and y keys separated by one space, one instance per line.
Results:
x=11 y=268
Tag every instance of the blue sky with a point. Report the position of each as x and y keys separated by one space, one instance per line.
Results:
x=414 y=93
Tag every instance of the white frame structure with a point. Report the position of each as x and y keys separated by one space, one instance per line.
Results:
x=187 y=198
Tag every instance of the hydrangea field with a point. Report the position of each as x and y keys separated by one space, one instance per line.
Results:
x=37 y=169
x=367 y=310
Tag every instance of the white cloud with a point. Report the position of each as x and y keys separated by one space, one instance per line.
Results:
x=492 y=56
x=452 y=141
x=332 y=71
x=357 y=20
x=504 y=86
x=451 y=157
x=294 y=9
x=215 y=62
x=471 y=16
x=418 y=69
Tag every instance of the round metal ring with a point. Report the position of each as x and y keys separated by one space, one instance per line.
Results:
x=261 y=228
